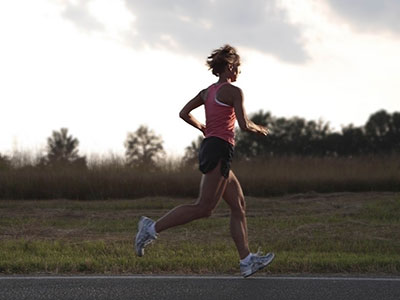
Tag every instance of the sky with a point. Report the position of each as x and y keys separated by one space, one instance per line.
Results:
x=102 y=68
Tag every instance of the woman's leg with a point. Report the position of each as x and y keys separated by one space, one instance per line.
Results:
x=212 y=187
x=233 y=195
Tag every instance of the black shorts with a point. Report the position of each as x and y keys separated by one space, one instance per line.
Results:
x=212 y=151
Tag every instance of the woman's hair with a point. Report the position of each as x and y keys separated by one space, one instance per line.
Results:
x=222 y=57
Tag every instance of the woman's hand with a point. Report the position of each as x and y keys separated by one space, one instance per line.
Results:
x=203 y=129
x=262 y=130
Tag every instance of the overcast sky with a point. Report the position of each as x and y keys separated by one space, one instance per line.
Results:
x=102 y=68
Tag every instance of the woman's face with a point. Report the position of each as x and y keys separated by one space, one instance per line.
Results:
x=234 y=71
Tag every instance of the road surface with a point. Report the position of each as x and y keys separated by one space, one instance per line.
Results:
x=198 y=287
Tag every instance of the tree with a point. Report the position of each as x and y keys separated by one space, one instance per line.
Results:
x=250 y=145
x=62 y=150
x=192 y=152
x=353 y=141
x=383 y=131
x=5 y=162
x=287 y=137
x=395 y=132
x=143 y=148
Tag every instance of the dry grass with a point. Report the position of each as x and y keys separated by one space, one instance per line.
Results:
x=283 y=175
x=261 y=177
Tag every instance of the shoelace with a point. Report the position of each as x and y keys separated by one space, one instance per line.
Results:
x=146 y=238
x=260 y=257
x=259 y=252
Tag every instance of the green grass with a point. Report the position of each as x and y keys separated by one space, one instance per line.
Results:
x=310 y=233
x=23 y=256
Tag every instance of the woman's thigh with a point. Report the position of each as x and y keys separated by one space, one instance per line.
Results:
x=212 y=187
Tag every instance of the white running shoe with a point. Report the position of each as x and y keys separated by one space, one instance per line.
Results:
x=143 y=237
x=256 y=263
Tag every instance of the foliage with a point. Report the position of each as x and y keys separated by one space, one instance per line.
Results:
x=288 y=136
x=297 y=136
x=192 y=152
x=383 y=132
x=5 y=162
x=62 y=150
x=143 y=148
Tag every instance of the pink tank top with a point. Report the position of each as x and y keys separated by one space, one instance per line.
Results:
x=220 y=117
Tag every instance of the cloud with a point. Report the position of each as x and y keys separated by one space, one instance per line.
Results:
x=370 y=15
x=79 y=13
x=197 y=27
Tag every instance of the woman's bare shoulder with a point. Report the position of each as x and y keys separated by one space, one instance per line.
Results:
x=203 y=93
x=232 y=91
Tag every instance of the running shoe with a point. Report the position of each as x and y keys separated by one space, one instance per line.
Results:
x=143 y=237
x=256 y=263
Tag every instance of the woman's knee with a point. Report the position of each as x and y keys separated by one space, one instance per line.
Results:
x=207 y=213
x=204 y=211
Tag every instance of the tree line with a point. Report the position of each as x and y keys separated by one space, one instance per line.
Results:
x=298 y=136
x=143 y=149
x=289 y=136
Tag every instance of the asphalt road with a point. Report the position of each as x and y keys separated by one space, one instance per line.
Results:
x=198 y=287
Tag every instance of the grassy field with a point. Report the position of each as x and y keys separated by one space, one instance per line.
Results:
x=310 y=233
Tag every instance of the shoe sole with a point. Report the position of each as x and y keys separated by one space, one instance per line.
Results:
x=262 y=267
x=139 y=252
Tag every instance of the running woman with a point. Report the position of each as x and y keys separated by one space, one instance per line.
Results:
x=223 y=105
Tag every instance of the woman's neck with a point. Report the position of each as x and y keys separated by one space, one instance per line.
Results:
x=223 y=79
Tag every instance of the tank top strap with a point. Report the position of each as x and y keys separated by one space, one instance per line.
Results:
x=212 y=89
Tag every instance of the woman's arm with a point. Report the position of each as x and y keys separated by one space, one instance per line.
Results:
x=188 y=117
x=244 y=122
